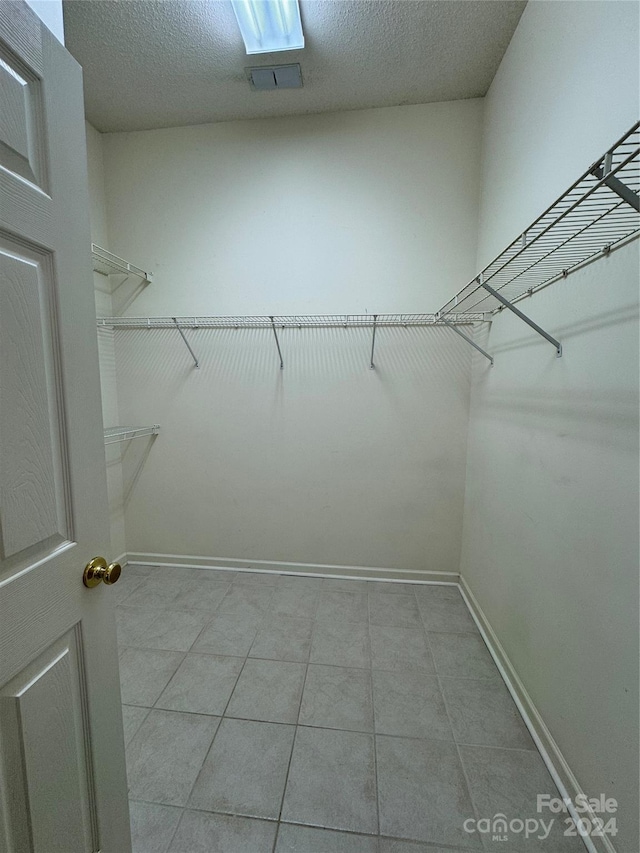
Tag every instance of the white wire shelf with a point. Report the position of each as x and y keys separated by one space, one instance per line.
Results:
x=597 y=212
x=106 y=263
x=112 y=435
x=332 y=321
x=292 y=322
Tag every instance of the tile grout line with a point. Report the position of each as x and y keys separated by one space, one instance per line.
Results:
x=373 y=715
x=295 y=734
x=213 y=616
x=293 y=744
x=453 y=734
x=175 y=831
x=221 y=718
x=274 y=821
x=335 y=729
x=139 y=726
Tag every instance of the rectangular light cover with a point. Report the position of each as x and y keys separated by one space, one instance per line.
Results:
x=269 y=25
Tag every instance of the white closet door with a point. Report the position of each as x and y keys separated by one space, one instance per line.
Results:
x=62 y=773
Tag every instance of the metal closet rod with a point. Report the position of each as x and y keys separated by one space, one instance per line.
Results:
x=372 y=321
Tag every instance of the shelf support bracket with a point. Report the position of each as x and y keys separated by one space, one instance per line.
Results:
x=625 y=192
x=468 y=339
x=523 y=317
x=275 y=335
x=373 y=340
x=186 y=343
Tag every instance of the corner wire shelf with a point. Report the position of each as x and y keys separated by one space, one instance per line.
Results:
x=599 y=211
x=113 y=435
x=106 y=263
x=306 y=321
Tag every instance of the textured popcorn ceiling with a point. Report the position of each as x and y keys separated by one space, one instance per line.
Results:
x=164 y=63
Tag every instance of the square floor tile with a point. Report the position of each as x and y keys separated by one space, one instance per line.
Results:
x=342 y=606
x=132 y=718
x=152 y=826
x=422 y=791
x=202 y=684
x=247 y=601
x=308 y=839
x=346 y=584
x=400 y=648
x=462 y=656
x=341 y=643
x=508 y=781
x=227 y=634
x=160 y=574
x=219 y=833
x=337 y=697
x=221 y=575
x=132 y=622
x=295 y=601
x=391 y=587
x=400 y=611
x=256 y=578
x=283 y=638
x=332 y=781
x=410 y=704
x=443 y=609
x=201 y=595
x=164 y=757
x=306 y=583
x=268 y=690
x=483 y=713
x=175 y=630
x=144 y=673
x=246 y=769
x=127 y=583
x=154 y=593
x=439 y=591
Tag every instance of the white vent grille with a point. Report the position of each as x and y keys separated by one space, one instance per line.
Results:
x=266 y=77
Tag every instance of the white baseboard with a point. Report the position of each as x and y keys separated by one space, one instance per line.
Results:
x=123 y=559
x=271 y=566
x=566 y=782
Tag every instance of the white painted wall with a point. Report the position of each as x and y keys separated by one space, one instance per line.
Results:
x=365 y=211
x=327 y=461
x=550 y=545
x=106 y=348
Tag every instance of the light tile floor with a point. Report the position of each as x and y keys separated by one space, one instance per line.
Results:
x=279 y=714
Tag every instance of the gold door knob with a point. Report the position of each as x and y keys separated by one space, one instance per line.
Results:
x=98 y=570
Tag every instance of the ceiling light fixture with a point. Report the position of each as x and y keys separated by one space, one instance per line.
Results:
x=269 y=25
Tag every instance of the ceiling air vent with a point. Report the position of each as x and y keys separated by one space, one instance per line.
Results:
x=275 y=77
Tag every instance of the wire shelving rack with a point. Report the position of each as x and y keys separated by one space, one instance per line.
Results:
x=597 y=212
x=106 y=263
x=307 y=321
x=291 y=321
x=112 y=435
